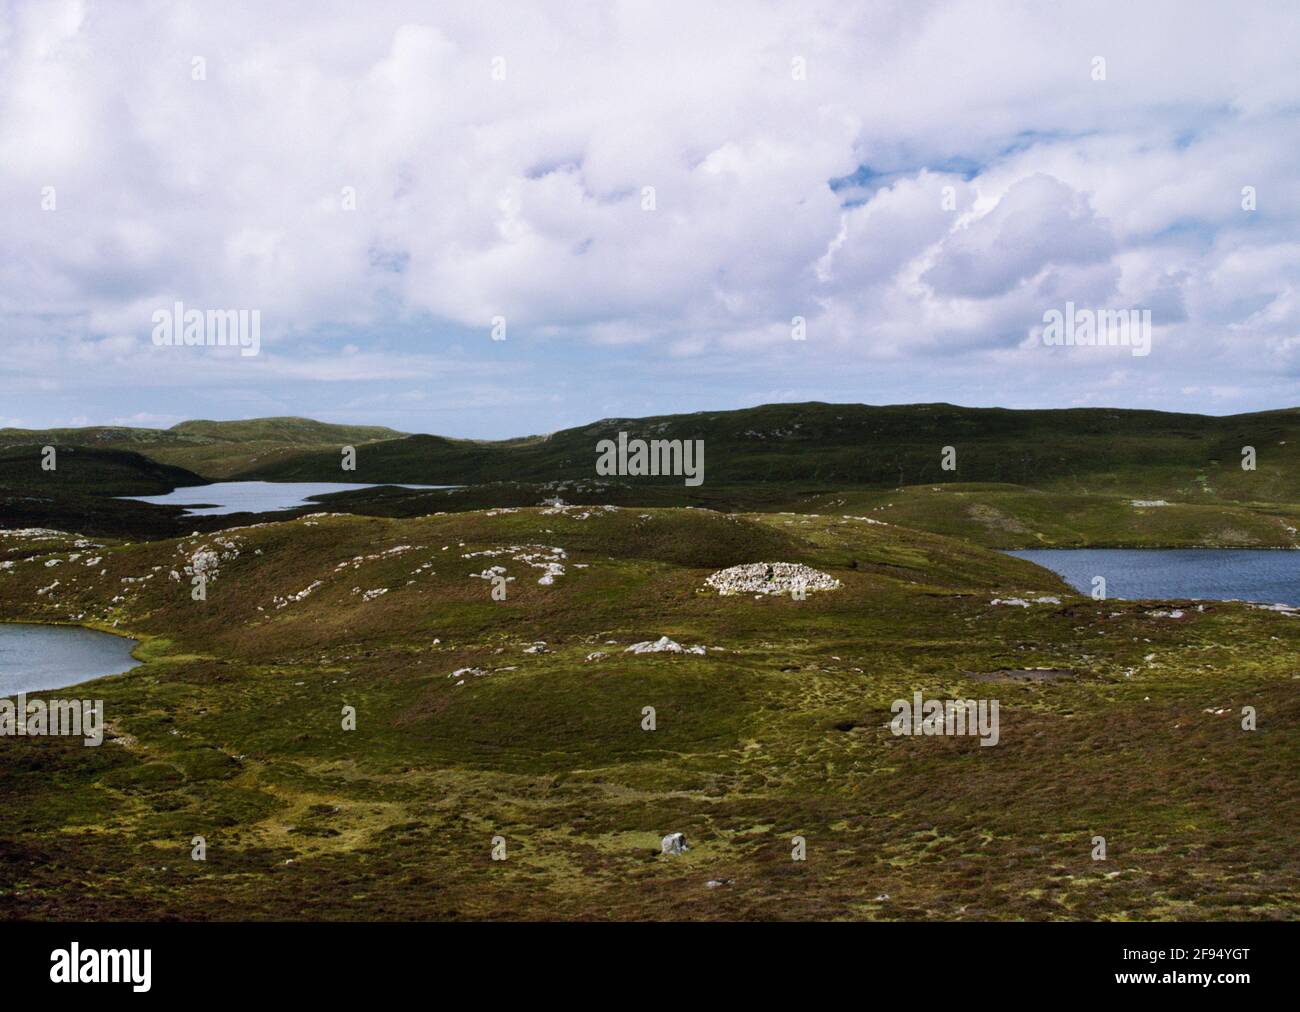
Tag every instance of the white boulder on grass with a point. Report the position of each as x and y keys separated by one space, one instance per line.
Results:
x=662 y=645
x=674 y=843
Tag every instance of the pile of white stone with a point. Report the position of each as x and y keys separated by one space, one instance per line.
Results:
x=662 y=645
x=770 y=578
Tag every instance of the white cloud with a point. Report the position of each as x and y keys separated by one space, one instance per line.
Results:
x=523 y=197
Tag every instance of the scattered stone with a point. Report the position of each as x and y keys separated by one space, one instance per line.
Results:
x=662 y=645
x=576 y=512
x=1284 y=609
x=1022 y=675
x=548 y=559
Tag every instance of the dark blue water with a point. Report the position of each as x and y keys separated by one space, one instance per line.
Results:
x=1215 y=574
x=34 y=658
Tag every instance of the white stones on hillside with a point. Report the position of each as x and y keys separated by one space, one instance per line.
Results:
x=1020 y=602
x=358 y=560
x=306 y=592
x=581 y=486
x=425 y=568
x=48 y=534
x=464 y=674
x=549 y=560
x=770 y=578
x=553 y=569
x=1144 y=503
x=674 y=843
x=662 y=645
x=577 y=512
x=205 y=560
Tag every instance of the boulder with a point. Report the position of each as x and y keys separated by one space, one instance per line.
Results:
x=674 y=843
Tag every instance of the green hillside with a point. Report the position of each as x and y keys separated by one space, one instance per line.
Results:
x=1085 y=450
x=213 y=449
x=85 y=470
x=283 y=430
x=522 y=719
x=1022 y=479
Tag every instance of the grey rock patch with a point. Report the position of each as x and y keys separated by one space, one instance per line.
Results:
x=663 y=645
x=771 y=578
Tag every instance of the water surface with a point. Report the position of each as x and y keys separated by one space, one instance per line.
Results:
x=34 y=658
x=225 y=497
x=1213 y=574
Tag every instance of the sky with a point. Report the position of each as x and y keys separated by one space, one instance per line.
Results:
x=488 y=220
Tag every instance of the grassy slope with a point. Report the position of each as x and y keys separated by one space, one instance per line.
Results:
x=1024 y=478
x=213 y=449
x=85 y=470
x=1079 y=450
x=996 y=516
x=231 y=730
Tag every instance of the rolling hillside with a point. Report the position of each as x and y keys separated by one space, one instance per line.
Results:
x=1085 y=450
x=523 y=718
x=214 y=449
x=1022 y=479
x=86 y=470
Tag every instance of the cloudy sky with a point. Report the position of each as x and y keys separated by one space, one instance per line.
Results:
x=919 y=182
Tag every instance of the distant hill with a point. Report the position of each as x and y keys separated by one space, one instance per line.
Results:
x=284 y=430
x=1095 y=449
x=213 y=449
x=83 y=470
x=1068 y=477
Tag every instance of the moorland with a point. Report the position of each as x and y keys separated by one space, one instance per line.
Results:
x=521 y=719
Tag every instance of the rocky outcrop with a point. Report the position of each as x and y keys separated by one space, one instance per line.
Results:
x=771 y=578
